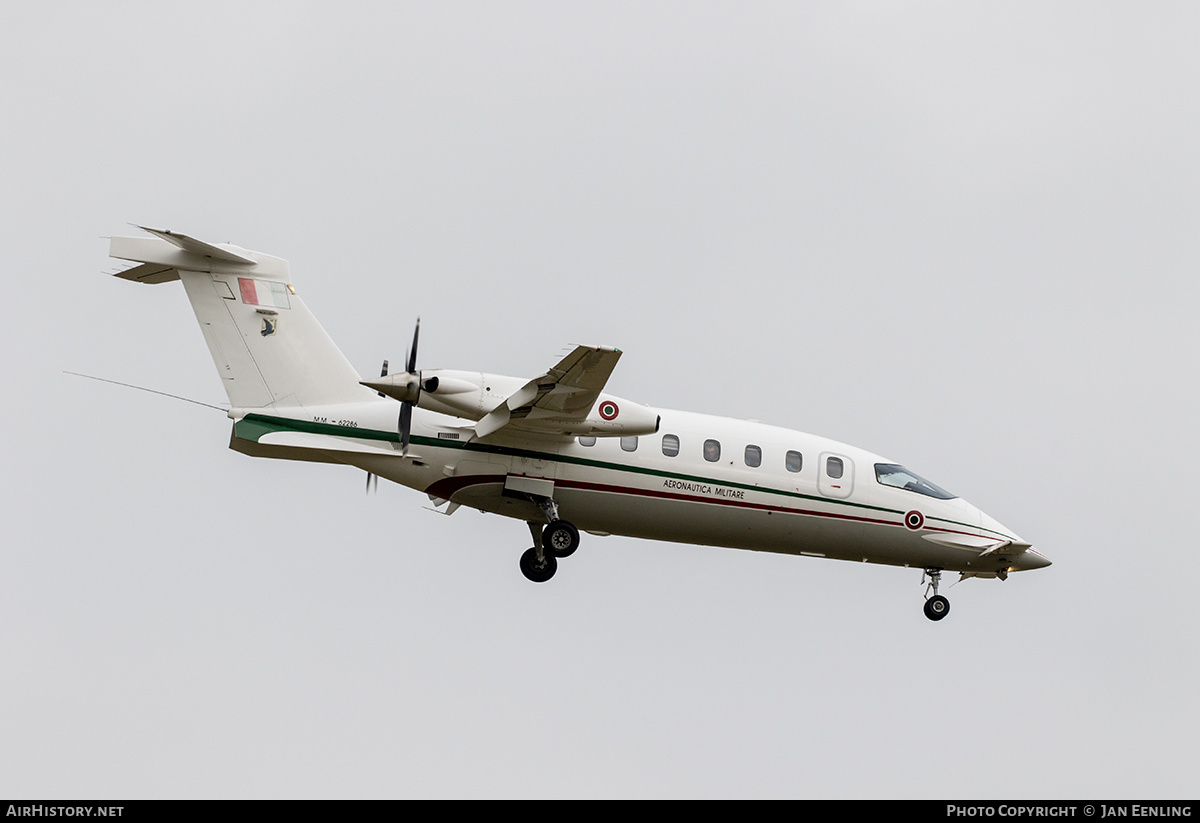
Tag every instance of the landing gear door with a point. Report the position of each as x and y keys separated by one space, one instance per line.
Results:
x=835 y=475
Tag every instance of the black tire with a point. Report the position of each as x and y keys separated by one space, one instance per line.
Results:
x=937 y=607
x=560 y=539
x=538 y=572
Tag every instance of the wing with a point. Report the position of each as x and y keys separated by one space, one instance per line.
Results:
x=558 y=400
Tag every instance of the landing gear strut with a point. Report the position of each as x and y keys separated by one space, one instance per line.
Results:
x=936 y=607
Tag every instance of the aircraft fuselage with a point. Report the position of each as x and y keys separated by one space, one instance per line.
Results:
x=762 y=487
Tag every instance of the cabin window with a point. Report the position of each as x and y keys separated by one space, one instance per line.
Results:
x=670 y=445
x=629 y=444
x=753 y=456
x=712 y=451
x=793 y=461
x=587 y=441
x=889 y=474
x=834 y=467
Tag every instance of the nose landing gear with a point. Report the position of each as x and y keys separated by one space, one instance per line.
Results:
x=936 y=607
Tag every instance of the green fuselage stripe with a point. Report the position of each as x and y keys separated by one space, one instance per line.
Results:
x=253 y=426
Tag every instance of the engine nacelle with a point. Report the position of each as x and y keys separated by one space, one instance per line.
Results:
x=473 y=395
x=465 y=394
x=613 y=417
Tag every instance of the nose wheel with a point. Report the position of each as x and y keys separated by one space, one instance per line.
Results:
x=936 y=606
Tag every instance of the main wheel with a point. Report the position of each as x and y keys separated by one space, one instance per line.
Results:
x=560 y=539
x=937 y=607
x=539 y=571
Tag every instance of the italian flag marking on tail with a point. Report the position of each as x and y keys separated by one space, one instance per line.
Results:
x=264 y=293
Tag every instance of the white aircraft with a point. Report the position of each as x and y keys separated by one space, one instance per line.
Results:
x=556 y=450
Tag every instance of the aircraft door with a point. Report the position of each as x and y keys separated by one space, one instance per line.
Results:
x=835 y=475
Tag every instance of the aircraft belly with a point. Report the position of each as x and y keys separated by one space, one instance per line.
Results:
x=657 y=506
x=710 y=514
x=896 y=546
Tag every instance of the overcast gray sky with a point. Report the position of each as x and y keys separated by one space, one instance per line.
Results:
x=962 y=235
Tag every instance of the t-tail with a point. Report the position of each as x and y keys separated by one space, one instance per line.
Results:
x=268 y=348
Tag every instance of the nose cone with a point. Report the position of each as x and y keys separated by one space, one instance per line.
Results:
x=1029 y=560
x=1026 y=560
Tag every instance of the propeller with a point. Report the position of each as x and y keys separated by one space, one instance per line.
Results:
x=406 y=406
x=405 y=387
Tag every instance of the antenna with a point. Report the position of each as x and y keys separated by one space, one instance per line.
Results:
x=143 y=388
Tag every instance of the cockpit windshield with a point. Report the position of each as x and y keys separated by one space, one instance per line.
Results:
x=889 y=474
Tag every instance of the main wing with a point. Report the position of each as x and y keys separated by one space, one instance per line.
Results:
x=559 y=400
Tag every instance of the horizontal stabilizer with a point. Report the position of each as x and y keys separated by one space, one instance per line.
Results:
x=153 y=273
x=168 y=249
x=225 y=253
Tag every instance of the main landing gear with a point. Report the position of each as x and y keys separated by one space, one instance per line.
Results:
x=557 y=539
x=936 y=607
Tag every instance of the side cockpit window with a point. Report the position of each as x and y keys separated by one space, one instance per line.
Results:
x=890 y=474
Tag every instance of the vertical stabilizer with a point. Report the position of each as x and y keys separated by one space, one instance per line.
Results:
x=267 y=346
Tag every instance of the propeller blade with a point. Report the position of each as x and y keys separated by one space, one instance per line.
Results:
x=372 y=478
x=383 y=373
x=412 y=356
x=405 y=421
x=405 y=426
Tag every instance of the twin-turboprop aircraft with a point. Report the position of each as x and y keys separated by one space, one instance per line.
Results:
x=557 y=451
